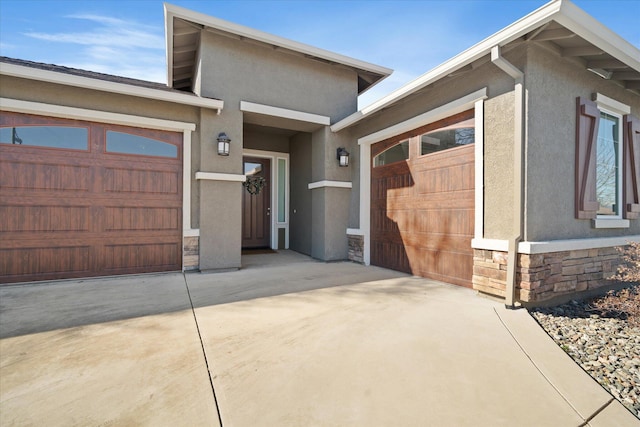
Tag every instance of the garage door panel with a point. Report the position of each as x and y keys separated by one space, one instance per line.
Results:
x=24 y=264
x=39 y=218
x=75 y=213
x=141 y=181
x=141 y=218
x=124 y=258
x=44 y=176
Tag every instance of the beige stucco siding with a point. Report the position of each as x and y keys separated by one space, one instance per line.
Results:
x=553 y=83
x=235 y=71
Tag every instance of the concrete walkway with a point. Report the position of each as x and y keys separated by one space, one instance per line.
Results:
x=286 y=341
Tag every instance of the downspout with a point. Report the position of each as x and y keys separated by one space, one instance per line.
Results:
x=518 y=179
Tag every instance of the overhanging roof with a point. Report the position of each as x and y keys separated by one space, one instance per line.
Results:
x=182 y=32
x=559 y=25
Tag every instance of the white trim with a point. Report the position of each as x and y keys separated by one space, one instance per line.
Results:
x=277 y=43
x=20 y=106
x=479 y=170
x=191 y=232
x=333 y=184
x=606 y=103
x=562 y=11
x=215 y=176
x=273 y=156
x=490 y=244
x=610 y=223
x=555 y=245
x=439 y=113
x=186 y=181
x=285 y=113
x=355 y=232
x=454 y=107
x=107 y=86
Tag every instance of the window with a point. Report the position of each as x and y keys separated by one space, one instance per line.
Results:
x=607 y=163
x=46 y=136
x=455 y=135
x=118 y=142
x=392 y=154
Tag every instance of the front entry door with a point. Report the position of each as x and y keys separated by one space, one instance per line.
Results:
x=256 y=203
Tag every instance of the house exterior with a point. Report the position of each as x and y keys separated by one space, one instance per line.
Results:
x=484 y=172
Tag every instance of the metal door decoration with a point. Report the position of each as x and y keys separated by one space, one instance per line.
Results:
x=254 y=184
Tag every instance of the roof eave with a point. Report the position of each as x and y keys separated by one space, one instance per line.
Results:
x=107 y=86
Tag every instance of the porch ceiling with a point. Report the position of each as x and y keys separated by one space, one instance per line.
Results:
x=281 y=123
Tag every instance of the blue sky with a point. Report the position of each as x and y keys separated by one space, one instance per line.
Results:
x=411 y=37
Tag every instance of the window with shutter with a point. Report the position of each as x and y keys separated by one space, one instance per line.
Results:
x=607 y=173
x=631 y=136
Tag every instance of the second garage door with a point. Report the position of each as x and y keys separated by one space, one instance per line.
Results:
x=422 y=201
x=81 y=199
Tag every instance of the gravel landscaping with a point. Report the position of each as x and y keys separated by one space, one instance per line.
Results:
x=603 y=337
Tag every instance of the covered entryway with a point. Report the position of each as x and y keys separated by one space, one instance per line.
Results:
x=422 y=201
x=82 y=199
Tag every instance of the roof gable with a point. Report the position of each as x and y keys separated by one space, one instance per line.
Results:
x=183 y=27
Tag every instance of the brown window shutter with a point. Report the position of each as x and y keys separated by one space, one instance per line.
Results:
x=587 y=120
x=631 y=167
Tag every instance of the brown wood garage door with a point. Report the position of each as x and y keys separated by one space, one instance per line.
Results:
x=422 y=206
x=82 y=199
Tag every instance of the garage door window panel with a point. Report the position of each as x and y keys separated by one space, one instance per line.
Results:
x=456 y=135
x=393 y=154
x=74 y=138
x=125 y=143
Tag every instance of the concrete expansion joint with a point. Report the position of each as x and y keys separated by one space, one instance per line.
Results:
x=204 y=353
x=595 y=414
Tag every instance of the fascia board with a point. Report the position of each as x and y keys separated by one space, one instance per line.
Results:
x=519 y=28
x=584 y=25
x=242 y=31
x=168 y=35
x=107 y=86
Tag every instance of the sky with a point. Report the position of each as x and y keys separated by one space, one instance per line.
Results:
x=126 y=37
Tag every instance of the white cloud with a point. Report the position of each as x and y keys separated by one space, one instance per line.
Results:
x=113 y=46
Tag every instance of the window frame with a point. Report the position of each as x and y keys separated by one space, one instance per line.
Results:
x=618 y=166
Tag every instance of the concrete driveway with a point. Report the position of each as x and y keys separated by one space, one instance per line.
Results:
x=286 y=341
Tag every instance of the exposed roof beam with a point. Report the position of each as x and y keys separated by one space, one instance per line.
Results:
x=632 y=84
x=183 y=64
x=626 y=75
x=177 y=32
x=185 y=49
x=610 y=64
x=559 y=33
x=582 y=51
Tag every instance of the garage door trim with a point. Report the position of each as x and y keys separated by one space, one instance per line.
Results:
x=51 y=110
x=473 y=100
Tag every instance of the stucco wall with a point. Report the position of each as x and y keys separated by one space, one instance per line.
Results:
x=256 y=140
x=553 y=84
x=234 y=70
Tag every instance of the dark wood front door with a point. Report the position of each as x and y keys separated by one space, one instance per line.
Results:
x=256 y=203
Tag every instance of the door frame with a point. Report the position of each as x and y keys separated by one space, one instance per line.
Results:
x=275 y=225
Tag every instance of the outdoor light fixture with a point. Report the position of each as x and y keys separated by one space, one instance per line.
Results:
x=343 y=157
x=223 y=144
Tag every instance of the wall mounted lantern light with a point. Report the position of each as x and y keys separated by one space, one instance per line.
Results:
x=223 y=144
x=343 y=157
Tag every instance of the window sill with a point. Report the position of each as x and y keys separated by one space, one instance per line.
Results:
x=610 y=223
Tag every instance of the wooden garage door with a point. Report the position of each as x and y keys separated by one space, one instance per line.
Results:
x=84 y=199
x=422 y=201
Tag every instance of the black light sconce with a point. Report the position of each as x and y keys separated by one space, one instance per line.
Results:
x=223 y=144
x=343 y=157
